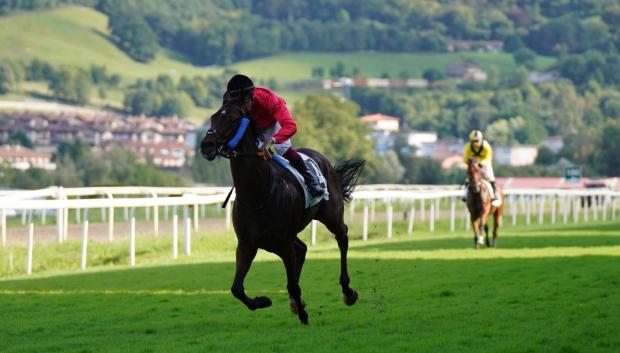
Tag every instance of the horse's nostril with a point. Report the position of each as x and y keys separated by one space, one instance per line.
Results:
x=207 y=149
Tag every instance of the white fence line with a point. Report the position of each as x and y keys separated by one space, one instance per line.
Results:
x=532 y=201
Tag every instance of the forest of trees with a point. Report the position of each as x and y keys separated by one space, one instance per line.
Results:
x=224 y=31
x=157 y=97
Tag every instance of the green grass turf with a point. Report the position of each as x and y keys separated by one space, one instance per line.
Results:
x=546 y=289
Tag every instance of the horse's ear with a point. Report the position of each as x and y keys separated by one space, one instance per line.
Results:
x=226 y=99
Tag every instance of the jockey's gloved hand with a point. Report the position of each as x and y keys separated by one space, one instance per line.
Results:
x=270 y=142
x=265 y=151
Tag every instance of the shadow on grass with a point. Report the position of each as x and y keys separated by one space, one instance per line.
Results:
x=507 y=242
x=603 y=228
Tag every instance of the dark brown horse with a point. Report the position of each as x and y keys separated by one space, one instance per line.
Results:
x=270 y=210
x=479 y=205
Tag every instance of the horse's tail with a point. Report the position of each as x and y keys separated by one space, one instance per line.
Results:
x=348 y=172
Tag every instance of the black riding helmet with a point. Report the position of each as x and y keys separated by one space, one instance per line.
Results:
x=239 y=87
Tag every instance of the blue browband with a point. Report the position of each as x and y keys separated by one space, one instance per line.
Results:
x=239 y=134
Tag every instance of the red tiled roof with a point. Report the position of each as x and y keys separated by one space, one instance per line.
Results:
x=20 y=151
x=378 y=117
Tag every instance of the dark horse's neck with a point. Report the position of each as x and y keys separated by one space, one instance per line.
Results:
x=475 y=199
x=250 y=173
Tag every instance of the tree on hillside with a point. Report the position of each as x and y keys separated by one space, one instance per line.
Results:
x=21 y=138
x=134 y=36
x=545 y=156
x=70 y=84
x=141 y=101
x=177 y=104
x=524 y=57
x=421 y=170
x=433 y=75
x=608 y=157
x=331 y=126
x=7 y=78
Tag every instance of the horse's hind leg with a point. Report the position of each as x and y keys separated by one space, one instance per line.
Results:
x=245 y=256
x=300 y=256
x=486 y=235
x=340 y=230
x=497 y=221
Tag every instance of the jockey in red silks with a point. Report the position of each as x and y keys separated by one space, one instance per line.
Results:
x=269 y=112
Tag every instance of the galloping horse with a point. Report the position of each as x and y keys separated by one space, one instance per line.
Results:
x=270 y=210
x=479 y=205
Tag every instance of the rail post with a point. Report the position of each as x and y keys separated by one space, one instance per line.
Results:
x=30 y=246
x=389 y=218
x=175 y=234
x=365 y=222
x=411 y=219
x=132 y=238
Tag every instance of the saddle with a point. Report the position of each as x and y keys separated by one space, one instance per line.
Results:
x=314 y=169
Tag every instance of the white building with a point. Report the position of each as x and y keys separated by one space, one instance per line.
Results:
x=423 y=142
x=543 y=76
x=466 y=71
x=19 y=157
x=383 y=123
x=554 y=143
x=515 y=156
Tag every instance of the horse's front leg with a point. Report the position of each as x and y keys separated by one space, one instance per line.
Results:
x=288 y=255
x=245 y=256
x=477 y=227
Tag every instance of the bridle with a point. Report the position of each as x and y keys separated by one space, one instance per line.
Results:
x=227 y=150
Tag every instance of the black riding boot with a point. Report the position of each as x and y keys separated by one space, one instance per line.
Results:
x=314 y=186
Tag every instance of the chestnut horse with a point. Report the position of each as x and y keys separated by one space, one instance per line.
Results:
x=479 y=205
x=269 y=210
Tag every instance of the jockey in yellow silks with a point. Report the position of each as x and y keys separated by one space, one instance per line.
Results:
x=480 y=150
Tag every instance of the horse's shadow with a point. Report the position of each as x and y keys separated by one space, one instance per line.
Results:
x=508 y=242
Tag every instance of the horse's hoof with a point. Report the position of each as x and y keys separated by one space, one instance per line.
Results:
x=293 y=306
x=262 y=302
x=350 y=299
x=303 y=317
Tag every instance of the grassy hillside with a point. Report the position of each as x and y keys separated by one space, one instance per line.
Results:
x=78 y=36
x=298 y=66
x=546 y=289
